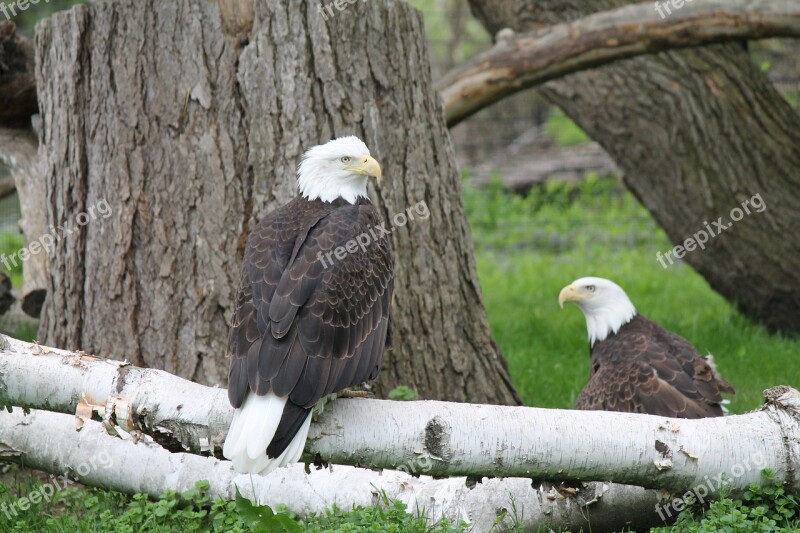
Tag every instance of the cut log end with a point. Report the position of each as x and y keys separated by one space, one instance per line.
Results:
x=783 y=397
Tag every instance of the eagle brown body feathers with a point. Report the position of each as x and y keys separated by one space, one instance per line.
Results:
x=307 y=325
x=644 y=368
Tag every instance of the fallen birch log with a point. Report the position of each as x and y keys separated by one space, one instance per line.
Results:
x=434 y=438
x=48 y=441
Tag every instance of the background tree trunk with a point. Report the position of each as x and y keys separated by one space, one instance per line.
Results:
x=190 y=129
x=19 y=151
x=695 y=132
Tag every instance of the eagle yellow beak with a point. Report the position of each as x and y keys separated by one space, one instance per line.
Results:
x=367 y=166
x=569 y=294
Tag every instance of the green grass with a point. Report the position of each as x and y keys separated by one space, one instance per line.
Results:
x=563 y=129
x=762 y=508
x=10 y=245
x=90 y=510
x=527 y=251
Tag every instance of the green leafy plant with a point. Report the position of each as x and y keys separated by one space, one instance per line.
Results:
x=403 y=393
x=564 y=130
x=262 y=519
x=384 y=516
x=762 y=508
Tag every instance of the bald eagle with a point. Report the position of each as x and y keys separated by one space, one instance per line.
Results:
x=636 y=365
x=312 y=313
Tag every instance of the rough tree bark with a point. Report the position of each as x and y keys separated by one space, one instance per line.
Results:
x=695 y=132
x=191 y=134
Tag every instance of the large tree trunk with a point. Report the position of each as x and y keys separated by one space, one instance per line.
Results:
x=190 y=129
x=696 y=133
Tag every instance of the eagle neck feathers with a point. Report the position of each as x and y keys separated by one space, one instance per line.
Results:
x=607 y=320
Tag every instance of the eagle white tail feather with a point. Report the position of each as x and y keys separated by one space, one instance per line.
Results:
x=295 y=449
x=252 y=429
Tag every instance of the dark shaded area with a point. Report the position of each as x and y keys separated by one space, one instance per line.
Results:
x=17 y=83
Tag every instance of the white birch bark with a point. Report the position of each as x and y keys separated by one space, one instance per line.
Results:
x=48 y=441
x=434 y=438
x=177 y=413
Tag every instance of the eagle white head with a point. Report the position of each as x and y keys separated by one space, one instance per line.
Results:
x=338 y=168
x=604 y=304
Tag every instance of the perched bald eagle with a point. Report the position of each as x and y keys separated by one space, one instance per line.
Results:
x=638 y=366
x=312 y=310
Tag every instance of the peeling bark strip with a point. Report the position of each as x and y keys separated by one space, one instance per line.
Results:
x=694 y=132
x=47 y=441
x=189 y=117
x=433 y=438
x=521 y=62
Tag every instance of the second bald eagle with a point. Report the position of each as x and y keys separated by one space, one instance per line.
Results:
x=636 y=365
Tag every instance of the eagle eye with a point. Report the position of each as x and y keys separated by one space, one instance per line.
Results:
x=590 y=288
x=346 y=159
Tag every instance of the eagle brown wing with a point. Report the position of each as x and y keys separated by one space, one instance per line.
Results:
x=646 y=369
x=308 y=323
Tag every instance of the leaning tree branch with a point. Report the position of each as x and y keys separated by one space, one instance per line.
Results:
x=435 y=438
x=523 y=61
x=47 y=441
